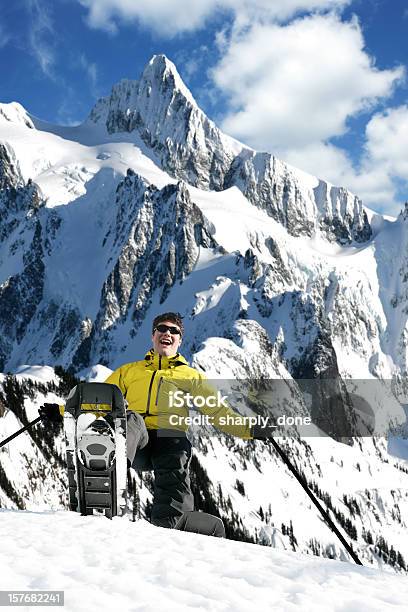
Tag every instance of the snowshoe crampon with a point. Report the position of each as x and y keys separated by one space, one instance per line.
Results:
x=95 y=432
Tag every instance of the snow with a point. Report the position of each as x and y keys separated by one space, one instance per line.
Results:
x=63 y=161
x=15 y=113
x=105 y=565
x=156 y=64
x=42 y=374
x=96 y=373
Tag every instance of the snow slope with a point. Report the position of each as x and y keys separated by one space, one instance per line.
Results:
x=107 y=565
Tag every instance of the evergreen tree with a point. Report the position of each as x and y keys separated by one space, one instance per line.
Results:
x=401 y=561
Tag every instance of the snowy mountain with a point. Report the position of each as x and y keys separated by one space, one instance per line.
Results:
x=147 y=206
x=188 y=146
x=298 y=255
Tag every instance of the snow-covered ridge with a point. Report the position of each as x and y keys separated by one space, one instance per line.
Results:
x=15 y=113
x=303 y=204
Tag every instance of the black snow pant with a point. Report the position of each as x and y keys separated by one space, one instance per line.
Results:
x=168 y=454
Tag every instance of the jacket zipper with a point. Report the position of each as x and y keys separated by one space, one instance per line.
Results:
x=151 y=385
x=158 y=391
x=150 y=392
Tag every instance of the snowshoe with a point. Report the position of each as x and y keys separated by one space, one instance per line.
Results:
x=95 y=432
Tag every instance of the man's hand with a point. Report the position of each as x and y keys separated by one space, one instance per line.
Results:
x=50 y=412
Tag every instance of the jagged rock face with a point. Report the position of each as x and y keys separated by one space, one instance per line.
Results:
x=317 y=373
x=21 y=237
x=15 y=195
x=166 y=231
x=266 y=182
x=268 y=280
x=8 y=174
x=344 y=218
x=151 y=244
x=273 y=186
x=163 y=112
x=158 y=234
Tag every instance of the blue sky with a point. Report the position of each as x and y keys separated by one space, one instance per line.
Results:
x=321 y=84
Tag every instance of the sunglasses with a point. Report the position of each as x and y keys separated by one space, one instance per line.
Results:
x=173 y=330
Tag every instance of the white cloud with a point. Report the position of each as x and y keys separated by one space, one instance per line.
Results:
x=91 y=71
x=387 y=141
x=385 y=161
x=41 y=28
x=166 y=17
x=171 y=17
x=297 y=84
x=383 y=167
x=292 y=88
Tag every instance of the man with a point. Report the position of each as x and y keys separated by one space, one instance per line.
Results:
x=156 y=434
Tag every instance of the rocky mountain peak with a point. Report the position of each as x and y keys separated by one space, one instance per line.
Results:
x=131 y=102
x=161 y=72
x=161 y=111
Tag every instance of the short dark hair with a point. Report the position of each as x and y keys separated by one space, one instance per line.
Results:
x=174 y=317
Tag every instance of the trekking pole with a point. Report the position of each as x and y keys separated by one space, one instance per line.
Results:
x=322 y=511
x=20 y=431
x=49 y=412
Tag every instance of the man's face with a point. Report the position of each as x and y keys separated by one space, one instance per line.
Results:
x=164 y=342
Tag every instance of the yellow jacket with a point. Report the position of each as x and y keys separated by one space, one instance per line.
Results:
x=152 y=385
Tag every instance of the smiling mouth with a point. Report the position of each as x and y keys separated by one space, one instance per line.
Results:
x=166 y=342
